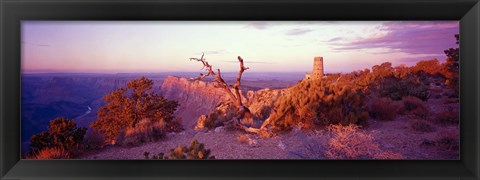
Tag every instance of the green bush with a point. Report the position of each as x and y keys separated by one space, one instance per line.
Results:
x=382 y=108
x=93 y=141
x=415 y=106
x=319 y=102
x=222 y=113
x=126 y=107
x=397 y=88
x=196 y=151
x=62 y=133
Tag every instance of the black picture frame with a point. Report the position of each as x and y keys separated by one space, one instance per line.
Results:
x=12 y=12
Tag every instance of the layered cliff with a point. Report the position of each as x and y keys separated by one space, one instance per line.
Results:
x=196 y=97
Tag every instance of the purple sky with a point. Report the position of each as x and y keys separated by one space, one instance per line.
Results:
x=133 y=46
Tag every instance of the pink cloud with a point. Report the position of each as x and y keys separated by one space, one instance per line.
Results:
x=258 y=25
x=335 y=39
x=221 y=51
x=409 y=37
x=294 y=32
x=414 y=60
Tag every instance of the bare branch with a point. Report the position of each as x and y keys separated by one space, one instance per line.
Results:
x=219 y=74
x=204 y=62
x=239 y=79
x=243 y=112
x=240 y=72
x=218 y=78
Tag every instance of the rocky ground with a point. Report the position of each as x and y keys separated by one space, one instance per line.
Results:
x=393 y=136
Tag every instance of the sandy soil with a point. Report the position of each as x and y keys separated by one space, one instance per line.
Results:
x=394 y=136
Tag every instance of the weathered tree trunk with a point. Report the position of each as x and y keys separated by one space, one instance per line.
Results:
x=236 y=97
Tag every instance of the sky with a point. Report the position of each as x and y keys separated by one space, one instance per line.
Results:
x=266 y=46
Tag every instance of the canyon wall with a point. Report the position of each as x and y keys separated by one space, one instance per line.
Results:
x=196 y=97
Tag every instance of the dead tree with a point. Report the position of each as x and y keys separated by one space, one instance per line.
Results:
x=235 y=96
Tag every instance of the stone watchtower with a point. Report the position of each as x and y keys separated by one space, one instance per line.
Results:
x=317 y=72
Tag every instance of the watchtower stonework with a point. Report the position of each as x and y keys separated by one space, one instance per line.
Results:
x=317 y=72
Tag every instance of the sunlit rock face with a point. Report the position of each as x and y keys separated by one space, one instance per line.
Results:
x=196 y=97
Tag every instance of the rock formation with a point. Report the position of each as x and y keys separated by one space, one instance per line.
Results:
x=196 y=97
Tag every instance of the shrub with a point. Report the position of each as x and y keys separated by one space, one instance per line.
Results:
x=379 y=72
x=415 y=106
x=345 y=107
x=93 y=140
x=432 y=67
x=52 y=153
x=382 y=108
x=421 y=126
x=397 y=88
x=144 y=131
x=175 y=125
x=448 y=116
x=420 y=112
x=446 y=139
x=451 y=67
x=437 y=96
x=62 y=133
x=318 y=102
x=450 y=100
x=128 y=106
x=222 y=113
x=40 y=141
x=265 y=112
x=410 y=103
x=196 y=151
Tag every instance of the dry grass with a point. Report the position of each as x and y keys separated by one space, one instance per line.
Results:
x=450 y=100
x=349 y=142
x=52 y=153
x=387 y=155
x=448 y=116
x=144 y=131
x=421 y=126
x=447 y=140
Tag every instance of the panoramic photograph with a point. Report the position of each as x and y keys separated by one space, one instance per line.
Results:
x=210 y=90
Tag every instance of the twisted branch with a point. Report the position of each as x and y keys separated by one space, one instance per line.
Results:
x=235 y=98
